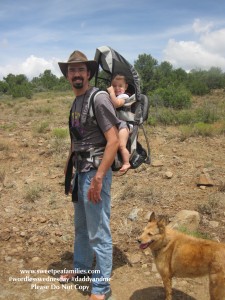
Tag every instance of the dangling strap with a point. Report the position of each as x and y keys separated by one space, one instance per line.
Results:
x=69 y=174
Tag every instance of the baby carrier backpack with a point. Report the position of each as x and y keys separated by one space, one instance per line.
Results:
x=135 y=109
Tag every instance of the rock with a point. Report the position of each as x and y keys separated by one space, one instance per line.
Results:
x=134 y=213
x=52 y=241
x=8 y=258
x=147 y=252
x=36 y=258
x=15 y=229
x=157 y=163
x=204 y=179
x=58 y=233
x=168 y=175
x=33 y=240
x=213 y=224
x=42 y=220
x=135 y=258
x=29 y=180
x=202 y=187
x=5 y=236
x=186 y=218
x=144 y=266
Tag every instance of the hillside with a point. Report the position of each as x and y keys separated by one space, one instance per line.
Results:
x=37 y=218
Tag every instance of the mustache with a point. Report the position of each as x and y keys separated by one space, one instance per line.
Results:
x=77 y=78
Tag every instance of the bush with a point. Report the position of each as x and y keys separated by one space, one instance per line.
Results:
x=198 y=87
x=42 y=127
x=207 y=114
x=23 y=90
x=60 y=133
x=203 y=129
x=173 y=97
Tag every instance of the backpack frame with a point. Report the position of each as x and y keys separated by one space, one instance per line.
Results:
x=111 y=62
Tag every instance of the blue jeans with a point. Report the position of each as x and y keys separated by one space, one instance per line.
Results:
x=92 y=233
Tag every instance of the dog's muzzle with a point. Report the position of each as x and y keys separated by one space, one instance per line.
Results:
x=144 y=246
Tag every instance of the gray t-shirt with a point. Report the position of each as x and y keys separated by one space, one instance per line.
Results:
x=89 y=134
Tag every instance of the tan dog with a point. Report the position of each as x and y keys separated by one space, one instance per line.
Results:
x=179 y=255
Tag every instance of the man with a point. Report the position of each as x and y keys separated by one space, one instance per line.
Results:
x=93 y=174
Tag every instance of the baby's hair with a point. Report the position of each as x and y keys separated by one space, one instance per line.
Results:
x=119 y=75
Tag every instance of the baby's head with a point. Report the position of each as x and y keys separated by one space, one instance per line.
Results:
x=119 y=84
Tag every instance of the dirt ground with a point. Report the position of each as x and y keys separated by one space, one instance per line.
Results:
x=37 y=218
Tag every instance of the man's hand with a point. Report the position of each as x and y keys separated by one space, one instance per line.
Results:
x=94 y=192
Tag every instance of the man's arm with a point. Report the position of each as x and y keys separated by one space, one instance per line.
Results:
x=111 y=149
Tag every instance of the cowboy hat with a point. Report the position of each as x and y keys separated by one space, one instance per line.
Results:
x=78 y=57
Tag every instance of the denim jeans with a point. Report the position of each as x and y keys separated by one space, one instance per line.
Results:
x=92 y=233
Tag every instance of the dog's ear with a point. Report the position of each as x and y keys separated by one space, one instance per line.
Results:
x=162 y=224
x=152 y=217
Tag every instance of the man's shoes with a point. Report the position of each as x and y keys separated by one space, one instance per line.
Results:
x=101 y=297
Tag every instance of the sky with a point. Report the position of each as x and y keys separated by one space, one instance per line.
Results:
x=36 y=35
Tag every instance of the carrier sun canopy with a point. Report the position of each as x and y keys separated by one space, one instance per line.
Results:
x=112 y=62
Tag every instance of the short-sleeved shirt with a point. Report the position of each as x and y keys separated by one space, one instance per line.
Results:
x=90 y=132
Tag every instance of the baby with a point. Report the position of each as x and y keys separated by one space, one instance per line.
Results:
x=117 y=94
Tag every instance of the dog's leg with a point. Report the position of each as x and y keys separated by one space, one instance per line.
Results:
x=217 y=286
x=167 y=282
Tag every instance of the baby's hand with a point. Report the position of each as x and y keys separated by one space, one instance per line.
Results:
x=110 y=89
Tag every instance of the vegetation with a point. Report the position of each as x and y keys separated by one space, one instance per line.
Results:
x=196 y=234
x=161 y=82
x=170 y=91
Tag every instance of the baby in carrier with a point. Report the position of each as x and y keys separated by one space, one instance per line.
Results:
x=117 y=94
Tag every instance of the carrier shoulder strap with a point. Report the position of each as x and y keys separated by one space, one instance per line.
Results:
x=91 y=102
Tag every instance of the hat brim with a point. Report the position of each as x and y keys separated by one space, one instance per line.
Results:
x=91 y=65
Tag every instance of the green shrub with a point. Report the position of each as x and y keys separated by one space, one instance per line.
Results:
x=198 y=87
x=23 y=90
x=207 y=114
x=60 y=133
x=45 y=110
x=173 y=97
x=196 y=234
x=33 y=192
x=43 y=127
x=203 y=129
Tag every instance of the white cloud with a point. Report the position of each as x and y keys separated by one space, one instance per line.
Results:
x=200 y=27
x=206 y=52
x=33 y=66
x=214 y=41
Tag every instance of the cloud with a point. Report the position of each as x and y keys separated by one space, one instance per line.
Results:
x=206 y=52
x=32 y=67
x=199 y=27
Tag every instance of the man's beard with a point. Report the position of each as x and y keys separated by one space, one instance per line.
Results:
x=78 y=85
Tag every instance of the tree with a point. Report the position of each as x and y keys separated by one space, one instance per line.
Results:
x=145 y=65
x=4 y=87
x=19 y=86
x=196 y=82
x=215 y=78
x=45 y=81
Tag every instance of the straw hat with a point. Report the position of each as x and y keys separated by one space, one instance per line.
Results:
x=78 y=57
